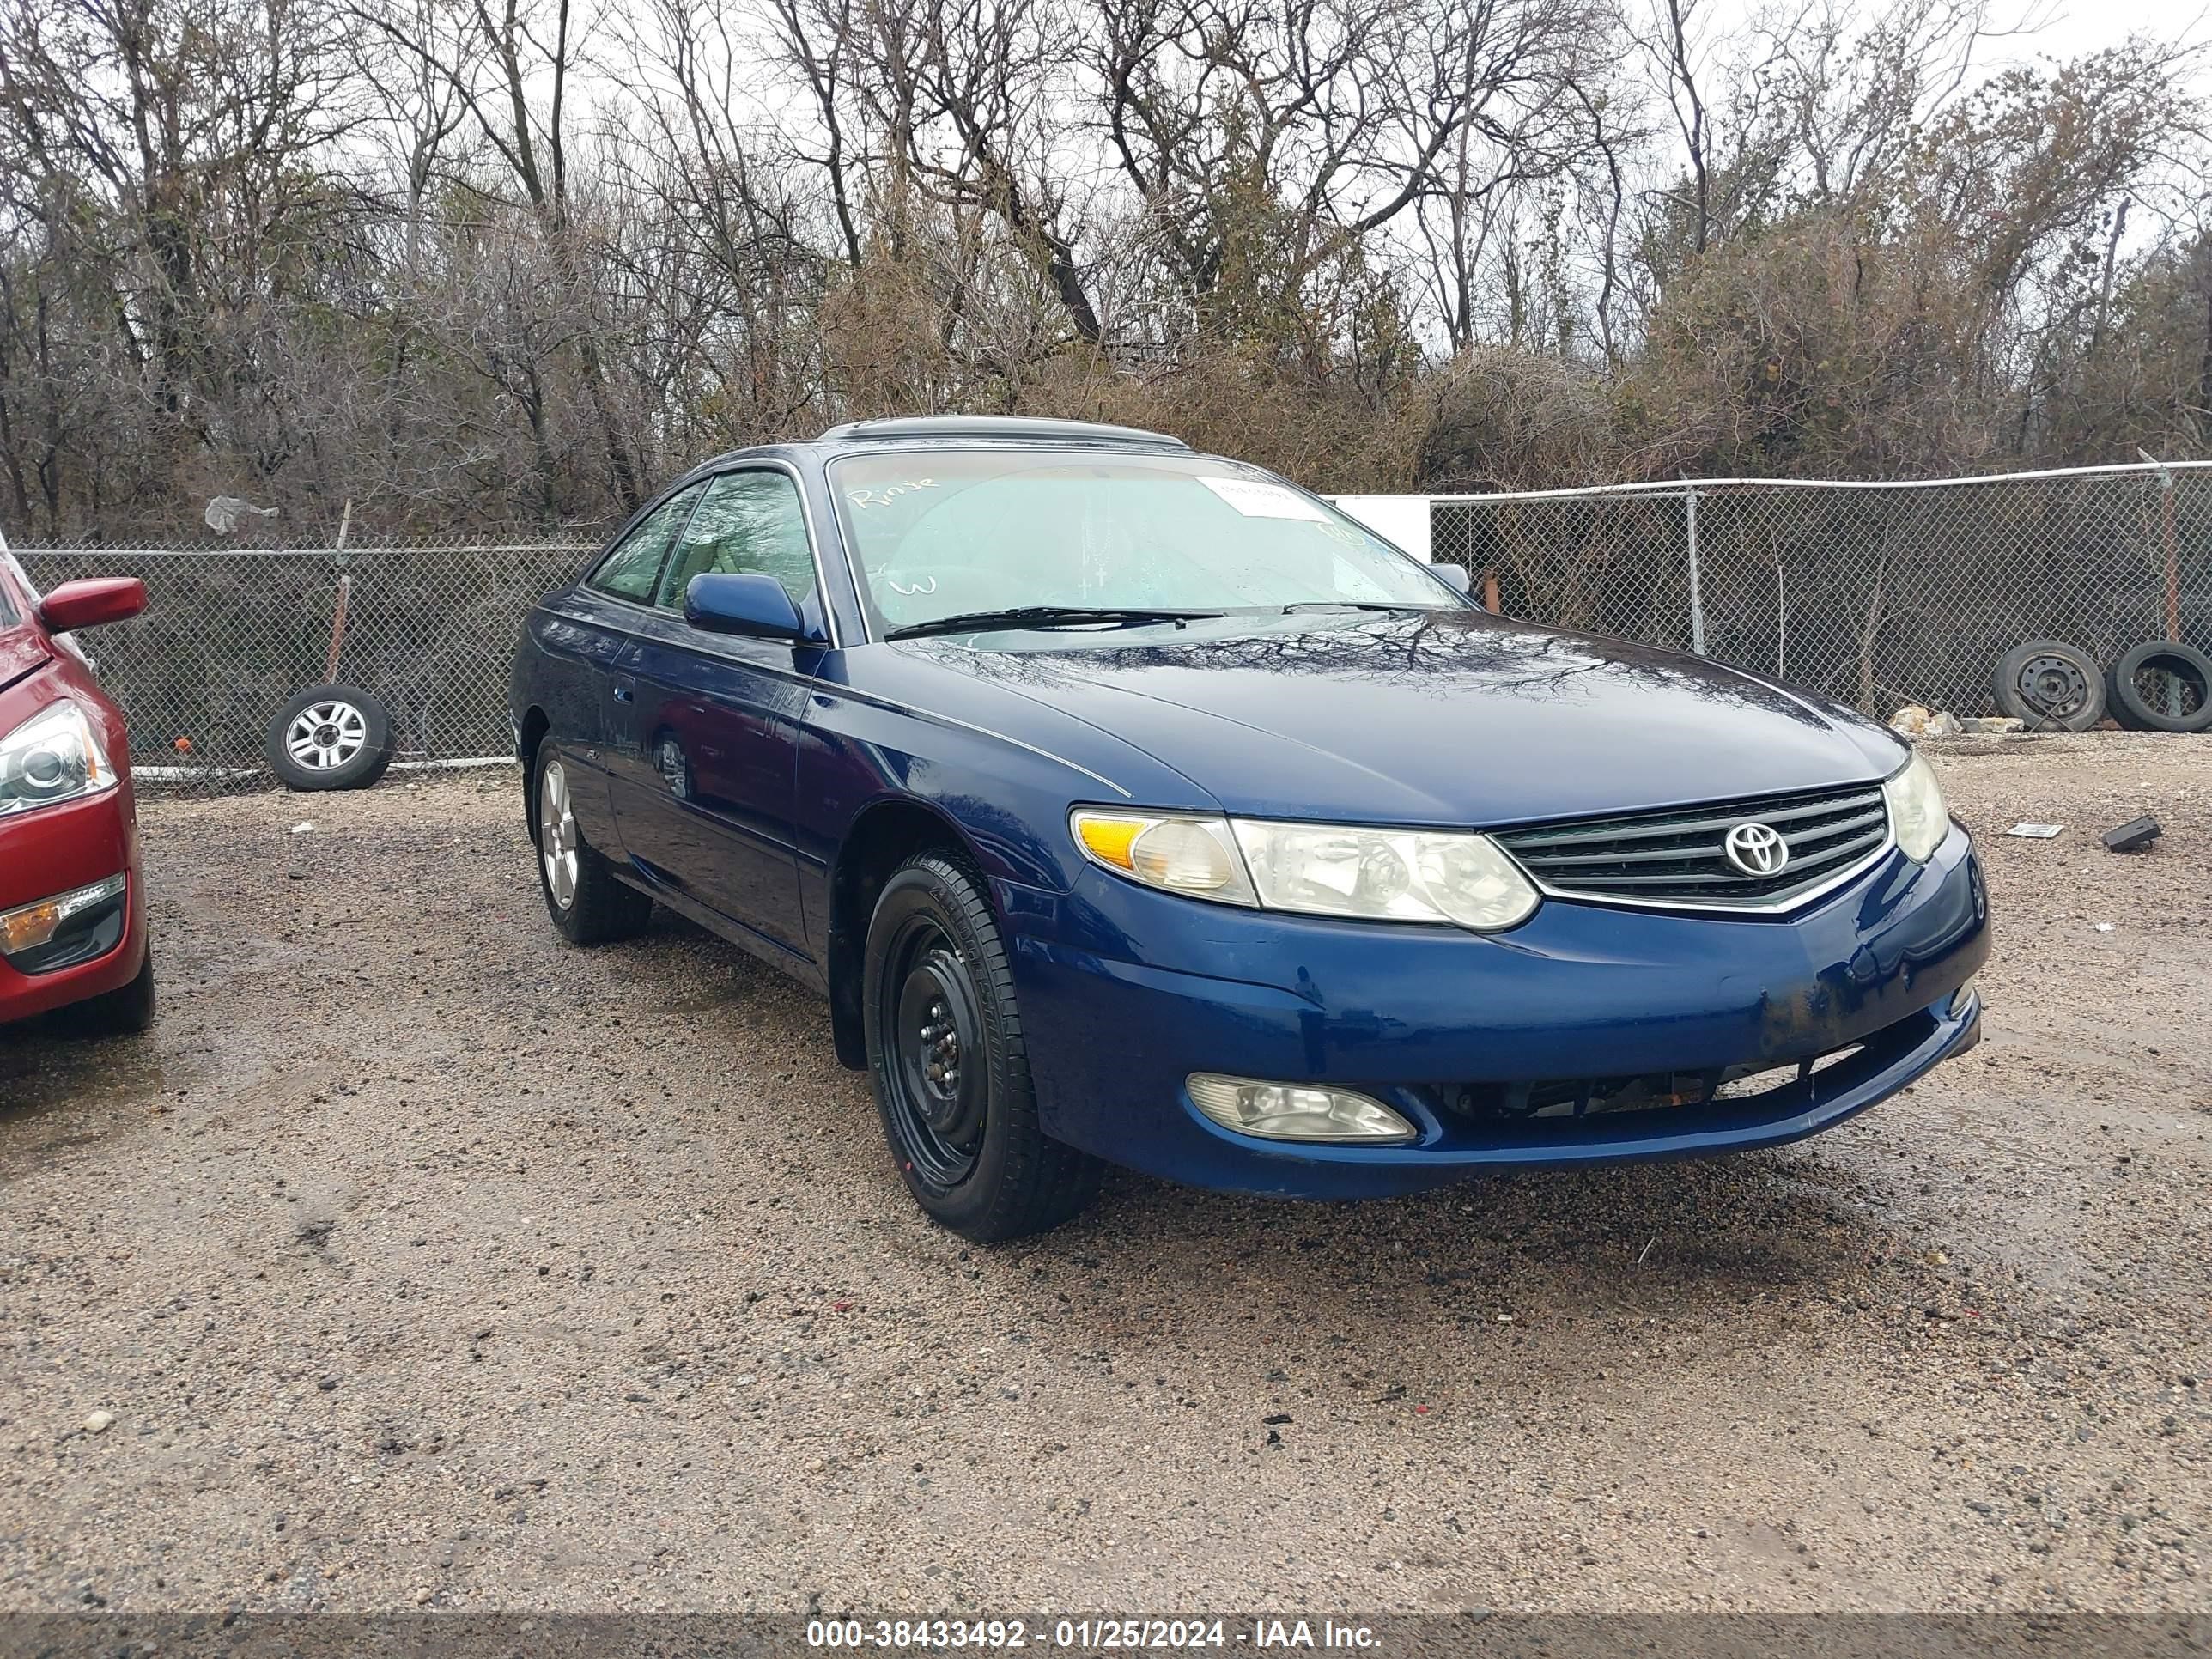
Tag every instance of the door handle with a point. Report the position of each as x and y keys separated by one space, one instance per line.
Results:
x=625 y=689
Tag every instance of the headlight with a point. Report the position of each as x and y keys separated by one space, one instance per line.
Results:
x=1917 y=813
x=55 y=755
x=1385 y=875
x=1315 y=870
x=1180 y=853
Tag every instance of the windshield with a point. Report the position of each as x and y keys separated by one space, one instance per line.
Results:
x=943 y=533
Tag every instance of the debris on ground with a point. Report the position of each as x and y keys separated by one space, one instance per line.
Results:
x=2133 y=835
x=1993 y=726
x=303 y=829
x=99 y=1422
x=2034 y=831
x=1917 y=720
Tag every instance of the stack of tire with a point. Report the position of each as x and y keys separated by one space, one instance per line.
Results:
x=2159 y=686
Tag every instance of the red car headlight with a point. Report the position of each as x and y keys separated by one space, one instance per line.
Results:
x=55 y=755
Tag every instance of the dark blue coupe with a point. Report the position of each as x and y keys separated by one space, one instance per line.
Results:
x=1130 y=804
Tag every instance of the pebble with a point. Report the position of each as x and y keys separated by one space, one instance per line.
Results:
x=100 y=1423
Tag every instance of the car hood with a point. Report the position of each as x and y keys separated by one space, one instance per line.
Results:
x=1447 y=717
x=23 y=650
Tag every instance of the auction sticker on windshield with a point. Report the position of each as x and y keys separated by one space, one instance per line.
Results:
x=1256 y=499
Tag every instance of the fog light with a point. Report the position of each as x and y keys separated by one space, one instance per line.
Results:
x=1292 y=1111
x=1963 y=997
x=34 y=924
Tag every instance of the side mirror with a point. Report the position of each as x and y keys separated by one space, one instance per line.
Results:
x=1454 y=577
x=88 y=604
x=752 y=605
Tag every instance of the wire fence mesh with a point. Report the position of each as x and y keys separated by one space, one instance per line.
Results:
x=1873 y=594
x=229 y=634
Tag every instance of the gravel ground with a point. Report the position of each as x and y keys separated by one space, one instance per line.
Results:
x=421 y=1260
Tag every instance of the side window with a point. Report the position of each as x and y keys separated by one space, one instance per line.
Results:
x=751 y=523
x=629 y=571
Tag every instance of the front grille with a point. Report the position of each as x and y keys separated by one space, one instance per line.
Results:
x=1721 y=1088
x=1675 y=858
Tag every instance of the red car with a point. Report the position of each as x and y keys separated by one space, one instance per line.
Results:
x=72 y=901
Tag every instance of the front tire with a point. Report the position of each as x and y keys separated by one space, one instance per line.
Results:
x=951 y=1070
x=587 y=902
x=124 y=1011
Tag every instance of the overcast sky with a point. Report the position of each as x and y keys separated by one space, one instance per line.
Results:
x=2062 y=28
x=2078 y=25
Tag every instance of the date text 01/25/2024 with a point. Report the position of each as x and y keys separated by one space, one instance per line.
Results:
x=1090 y=1635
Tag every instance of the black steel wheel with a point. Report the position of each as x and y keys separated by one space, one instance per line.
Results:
x=938 y=1067
x=2051 y=685
x=2160 y=686
x=949 y=1065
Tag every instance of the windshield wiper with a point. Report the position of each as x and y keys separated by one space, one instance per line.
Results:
x=1355 y=605
x=1042 y=616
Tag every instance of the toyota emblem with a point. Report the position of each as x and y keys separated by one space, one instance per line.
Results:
x=1756 y=849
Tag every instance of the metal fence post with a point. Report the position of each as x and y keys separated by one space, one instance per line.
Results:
x=1697 y=591
x=2173 y=555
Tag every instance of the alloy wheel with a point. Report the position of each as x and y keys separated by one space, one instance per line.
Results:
x=557 y=840
x=326 y=735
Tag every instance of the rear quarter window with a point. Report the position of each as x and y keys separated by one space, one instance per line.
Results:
x=631 y=568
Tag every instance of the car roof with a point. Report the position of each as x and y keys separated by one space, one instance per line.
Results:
x=925 y=431
x=995 y=429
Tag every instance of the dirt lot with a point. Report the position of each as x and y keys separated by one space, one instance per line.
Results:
x=422 y=1261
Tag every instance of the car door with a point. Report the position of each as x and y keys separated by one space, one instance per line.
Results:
x=714 y=717
x=582 y=637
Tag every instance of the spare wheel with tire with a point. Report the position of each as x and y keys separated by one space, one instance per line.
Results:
x=2051 y=685
x=329 y=737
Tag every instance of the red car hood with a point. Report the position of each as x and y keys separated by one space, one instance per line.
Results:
x=23 y=650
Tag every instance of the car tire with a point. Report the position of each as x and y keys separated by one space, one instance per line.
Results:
x=124 y=1011
x=329 y=737
x=2051 y=685
x=588 y=902
x=949 y=1065
x=2147 y=681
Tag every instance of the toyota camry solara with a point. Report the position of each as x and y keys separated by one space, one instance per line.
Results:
x=1133 y=804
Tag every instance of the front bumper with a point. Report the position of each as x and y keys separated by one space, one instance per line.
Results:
x=1427 y=1019
x=54 y=850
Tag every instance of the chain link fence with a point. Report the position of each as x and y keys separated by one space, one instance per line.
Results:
x=1874 y=594
x=230 y=634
